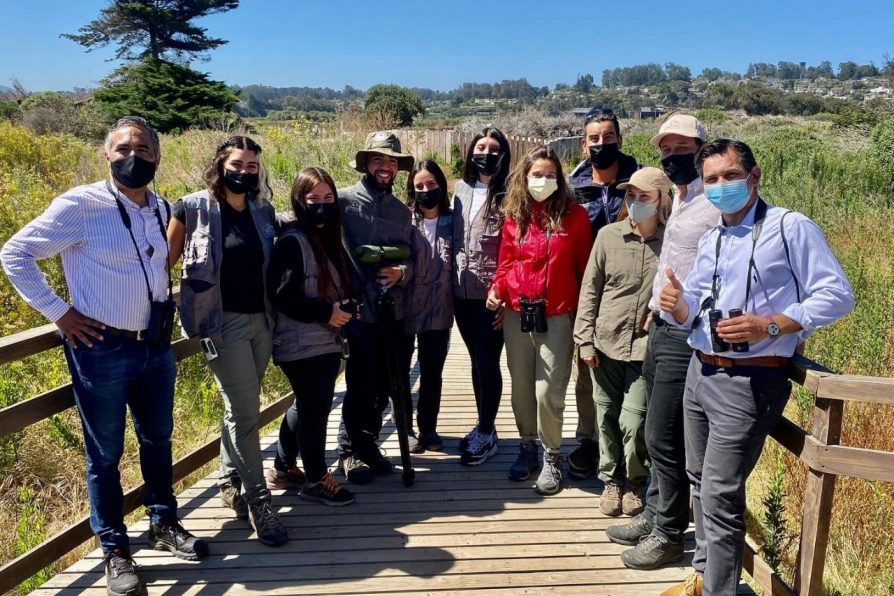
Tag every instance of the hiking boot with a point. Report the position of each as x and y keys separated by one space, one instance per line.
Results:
x=610 y=501
x=354 y=469
x=121 y=575
x=691 y=586
x=652 y=552
x=632 y=502
x=467 y=440
x=176 y=540
x=431 y=441
x=481 y=447
x=293 y=478
x=631 y=533
x=377 y=462
x=528 y=461
x=550 y=480
x=582 y=461
x=231 y=497
x=328 y=492
x=266 y=523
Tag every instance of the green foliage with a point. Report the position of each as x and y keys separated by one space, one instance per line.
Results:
x=709 y=116
x=759 y=100
x=170 y=96
x=393 y=101
x=457 y=161
x=776 y=536
x=29 y=533
x=9 y=110
x=153 y=29
x=50 y=112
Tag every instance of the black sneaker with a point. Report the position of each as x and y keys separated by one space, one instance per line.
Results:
x=328 y=492
x=231 y=497
x=266 y=523
x=377 y=462
x=481 y=447
x=631 y=533
x=652 y=552
x=431 y=441
x=527 y=462
x=121 y=574
x=355 y=469
x=176 y=540
x=464 y=442
x=582 y=461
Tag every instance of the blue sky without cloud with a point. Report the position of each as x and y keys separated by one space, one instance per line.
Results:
x=331 y=43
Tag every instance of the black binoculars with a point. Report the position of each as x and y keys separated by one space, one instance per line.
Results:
x=533 y=315
x=717 y=344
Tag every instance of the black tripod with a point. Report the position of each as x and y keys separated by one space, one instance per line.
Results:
x=399 y=395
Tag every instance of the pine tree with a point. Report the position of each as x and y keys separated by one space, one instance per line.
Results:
x=153 y=29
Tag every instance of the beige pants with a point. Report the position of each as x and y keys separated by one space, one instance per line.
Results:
x=540 y=367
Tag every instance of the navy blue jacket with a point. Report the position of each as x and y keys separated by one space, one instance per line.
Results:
x=601 y=202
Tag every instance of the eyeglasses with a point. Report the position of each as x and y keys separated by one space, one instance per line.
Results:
x=597 y=112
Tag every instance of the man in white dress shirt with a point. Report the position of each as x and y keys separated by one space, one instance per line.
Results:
x=776 y=267
x=111 y=237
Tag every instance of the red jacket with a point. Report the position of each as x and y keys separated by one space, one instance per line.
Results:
x=523 y=270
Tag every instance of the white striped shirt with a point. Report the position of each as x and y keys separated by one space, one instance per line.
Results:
x=101 y=265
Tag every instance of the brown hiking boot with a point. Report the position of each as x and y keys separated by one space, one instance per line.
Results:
x=292 y=479
x=610 y=501
x=232 y=497
x=632 y=502
x=691 y=586
x=328 y=492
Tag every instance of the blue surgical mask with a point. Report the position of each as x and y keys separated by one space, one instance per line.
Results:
x=729 y=197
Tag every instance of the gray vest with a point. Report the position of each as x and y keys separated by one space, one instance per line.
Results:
x=429 y=304
x=201 y=307
x=294 y=340
x=476 y=245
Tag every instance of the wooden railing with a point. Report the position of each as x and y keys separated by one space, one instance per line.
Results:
x=20 y=415
x=819 y=449
x=826 y=459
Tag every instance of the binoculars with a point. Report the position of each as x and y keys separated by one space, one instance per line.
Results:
x=533 y=315
x=717 y=344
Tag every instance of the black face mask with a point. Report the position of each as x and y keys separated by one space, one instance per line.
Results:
x=604 y=156
x=320 y=214
x=487 y=163
x=680 y=168
x=240 y=182
x=133 y=171
x=429 y=198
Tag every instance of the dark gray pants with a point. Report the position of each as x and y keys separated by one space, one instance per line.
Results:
x=728 y=414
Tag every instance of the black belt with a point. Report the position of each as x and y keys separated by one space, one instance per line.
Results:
x=657 y=320
x=135 y=335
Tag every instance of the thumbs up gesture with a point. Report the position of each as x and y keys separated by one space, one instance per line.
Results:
x=671 y=299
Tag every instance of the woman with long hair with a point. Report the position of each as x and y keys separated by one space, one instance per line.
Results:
x=429 y=305
x=225 y=234
x=611 y=334
x=477 y=225
x=543 y=254
x=309 y=287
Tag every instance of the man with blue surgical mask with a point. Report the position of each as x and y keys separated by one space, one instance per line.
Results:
x=764 y=280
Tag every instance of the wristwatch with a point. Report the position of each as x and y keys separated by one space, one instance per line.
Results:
x=773 y=329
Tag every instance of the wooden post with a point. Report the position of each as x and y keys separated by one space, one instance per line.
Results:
x=818 y=496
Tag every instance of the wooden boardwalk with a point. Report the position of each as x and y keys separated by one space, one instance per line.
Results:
x=458 y=529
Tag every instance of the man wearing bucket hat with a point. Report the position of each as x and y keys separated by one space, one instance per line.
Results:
x=657 y=533
x=372 y=215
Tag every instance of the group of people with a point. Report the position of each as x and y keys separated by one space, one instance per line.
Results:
x=677 y=295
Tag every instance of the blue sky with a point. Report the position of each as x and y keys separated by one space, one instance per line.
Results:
x=439 y=45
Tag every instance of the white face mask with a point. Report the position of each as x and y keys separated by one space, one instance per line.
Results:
x=639 y=211
x=542 y=188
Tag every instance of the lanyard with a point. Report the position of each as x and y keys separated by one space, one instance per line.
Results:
x=125 y=219
x=760 y=213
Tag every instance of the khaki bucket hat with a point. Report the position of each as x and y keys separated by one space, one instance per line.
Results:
x=383 y=143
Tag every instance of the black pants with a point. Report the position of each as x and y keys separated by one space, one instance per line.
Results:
x=368 y=385
x=303 y=427
x=485 y=344
x=665 y=366
x=432 y=349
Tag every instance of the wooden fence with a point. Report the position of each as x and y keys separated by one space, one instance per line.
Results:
x=445 y=144
x=819 y=449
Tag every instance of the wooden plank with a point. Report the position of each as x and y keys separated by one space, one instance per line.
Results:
x=876 y=390
x=857 y=462
x=796 y=440
x=22 y=414
x=818 y=497
x=764 y=575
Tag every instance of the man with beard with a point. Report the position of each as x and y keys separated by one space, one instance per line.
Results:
x=372 y=215
x=595 y=181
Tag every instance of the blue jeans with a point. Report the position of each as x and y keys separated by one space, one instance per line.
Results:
x=114 y=374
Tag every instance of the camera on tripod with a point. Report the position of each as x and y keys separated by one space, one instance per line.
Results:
x=715 y=315
x=533 y=315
